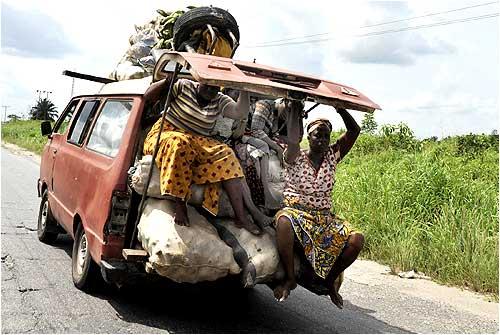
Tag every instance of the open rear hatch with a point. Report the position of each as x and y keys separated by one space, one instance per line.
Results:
x=261 y=79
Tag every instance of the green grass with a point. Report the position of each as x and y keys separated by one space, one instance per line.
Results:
x=422 y=205
x=25 y=134
x=429 y=210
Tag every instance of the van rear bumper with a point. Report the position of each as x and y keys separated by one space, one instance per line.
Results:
x=121 y=272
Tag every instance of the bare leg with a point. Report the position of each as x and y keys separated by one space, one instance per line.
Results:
x=346 y=258
x=284 y=237
x=259 y=217
x=234 y=191
x=181 y=217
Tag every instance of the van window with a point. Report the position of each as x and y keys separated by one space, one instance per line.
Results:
x=77 y=133
x=63 y=121
x=106 y=136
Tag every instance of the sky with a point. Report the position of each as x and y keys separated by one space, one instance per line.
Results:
x=435 y=74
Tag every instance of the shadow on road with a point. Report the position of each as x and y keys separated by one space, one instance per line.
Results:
x=221 y=307
x=216 y=308
x=64 y=242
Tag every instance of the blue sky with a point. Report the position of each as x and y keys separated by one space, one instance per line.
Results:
x=440 y=80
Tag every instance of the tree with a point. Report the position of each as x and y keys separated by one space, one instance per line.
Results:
x=13 y=117
x=44 y=110
x=369 y=125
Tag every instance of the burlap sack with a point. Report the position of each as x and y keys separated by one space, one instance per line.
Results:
x=257 y=256
x=183 y=254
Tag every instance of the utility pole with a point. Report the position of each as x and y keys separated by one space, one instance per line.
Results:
x=72 y=87
x=5 y=112
x=40 y=92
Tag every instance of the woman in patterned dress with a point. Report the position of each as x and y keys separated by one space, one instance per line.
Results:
x=327 y=241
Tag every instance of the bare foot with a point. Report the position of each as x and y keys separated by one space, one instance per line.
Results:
x=246 y=224
x=263 y=220
x=336 y=297
x=281 y=292
x=181 y=217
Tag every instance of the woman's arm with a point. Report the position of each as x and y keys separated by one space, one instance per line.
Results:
x=295 y=130
x=155 y=90
x=346 y=141
x=240 y=109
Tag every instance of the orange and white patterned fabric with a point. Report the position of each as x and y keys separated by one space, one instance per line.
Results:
x=309 y=187
x=184 y=158
x=322 y=234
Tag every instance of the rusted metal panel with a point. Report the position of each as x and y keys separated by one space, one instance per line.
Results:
x=266 y=80
x=84 y=181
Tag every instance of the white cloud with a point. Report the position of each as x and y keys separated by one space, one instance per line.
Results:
x=31 y=33
x=454 y=65
x=395 y=49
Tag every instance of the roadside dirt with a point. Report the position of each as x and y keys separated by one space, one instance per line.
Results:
x=374 y=274
x=20 y=151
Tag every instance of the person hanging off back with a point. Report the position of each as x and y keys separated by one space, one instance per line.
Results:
x=327 y=241
x=187 y=154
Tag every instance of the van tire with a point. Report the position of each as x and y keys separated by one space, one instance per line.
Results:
x=85 y=272
x=46 y=222
x=198 y=17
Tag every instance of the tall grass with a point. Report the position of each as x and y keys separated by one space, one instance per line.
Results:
x=427 y=209
x=24 y=133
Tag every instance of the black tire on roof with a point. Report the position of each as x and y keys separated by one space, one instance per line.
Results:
x=198 y=17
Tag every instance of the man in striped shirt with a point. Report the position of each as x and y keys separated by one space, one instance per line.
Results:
x=187 y=154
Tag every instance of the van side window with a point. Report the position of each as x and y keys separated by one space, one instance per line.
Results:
x=84 y=117
x=63 y=121
x=108 y=130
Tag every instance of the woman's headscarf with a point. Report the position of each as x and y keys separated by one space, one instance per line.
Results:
x=314 y=124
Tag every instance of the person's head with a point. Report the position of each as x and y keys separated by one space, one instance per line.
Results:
x=318 y=135
x=208 y=92
x=232 y=93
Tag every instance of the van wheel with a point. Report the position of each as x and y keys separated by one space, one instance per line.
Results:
x=46 y=222
x=84 y=270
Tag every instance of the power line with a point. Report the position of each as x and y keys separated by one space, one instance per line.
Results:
x=374 y=25
x=375 y=33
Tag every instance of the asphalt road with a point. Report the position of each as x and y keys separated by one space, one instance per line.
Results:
x=38 y=295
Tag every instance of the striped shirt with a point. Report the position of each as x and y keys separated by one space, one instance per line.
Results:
x=263 y=124
x=185 y=113
x=265 y=120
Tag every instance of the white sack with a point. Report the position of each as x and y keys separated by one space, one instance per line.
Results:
x=140 y=176
x=276 y=173
x=257 y=255
x=183 y=254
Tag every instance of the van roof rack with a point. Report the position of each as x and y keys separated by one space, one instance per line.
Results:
x=87 y=77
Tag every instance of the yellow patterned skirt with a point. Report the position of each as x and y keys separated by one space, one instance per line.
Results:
x=184 y=159
x=322 y=234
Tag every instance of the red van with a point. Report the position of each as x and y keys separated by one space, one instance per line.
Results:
x=83 y=173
